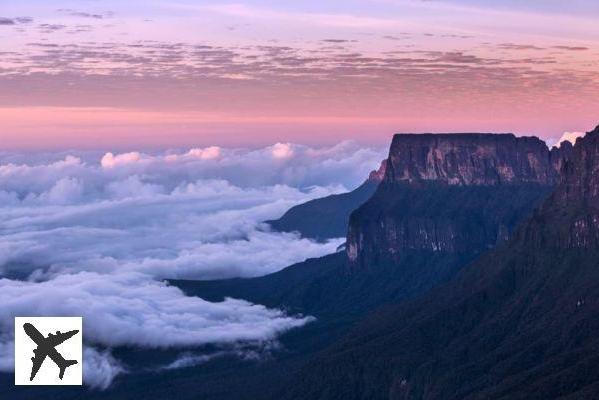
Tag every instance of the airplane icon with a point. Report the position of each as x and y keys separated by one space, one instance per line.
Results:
x=46 y=347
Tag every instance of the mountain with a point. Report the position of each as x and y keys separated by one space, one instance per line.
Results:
x=448 y=193
x=327 y=217
x=340 y=291
x=518 y=323
x=473 y=215
x=362 y=301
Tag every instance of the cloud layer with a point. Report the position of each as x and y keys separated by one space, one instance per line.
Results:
x=95 y=234
x=130 y=309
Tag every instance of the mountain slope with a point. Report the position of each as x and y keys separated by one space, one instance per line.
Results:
x=519 y=323
x=327 y=218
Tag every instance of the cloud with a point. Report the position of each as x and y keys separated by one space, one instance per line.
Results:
x=132 y=309
x=338 y=41
x=282 y=150
x=514 y=46
x=96 y=234
x=83 y=14
x=100 y=368
x=121 y=65
x=15 y=21
x=571 y=48
x=202 y=229
x=190 y=359
x=50 y=28
x=569 y=137
x=65 y=191
x=209 y=153
x=266 y=85
x=24 y=20
x=110 y=160
x=346 y=164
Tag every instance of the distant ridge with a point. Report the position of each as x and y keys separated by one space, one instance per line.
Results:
x=327 y=218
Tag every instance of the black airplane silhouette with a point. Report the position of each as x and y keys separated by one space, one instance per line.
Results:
x=46 y=348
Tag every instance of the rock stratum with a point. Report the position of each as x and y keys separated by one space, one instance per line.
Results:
x=476 y=159
x=451 y=193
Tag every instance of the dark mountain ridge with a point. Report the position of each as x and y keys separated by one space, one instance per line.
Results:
x=327 y=217
x=518 y=323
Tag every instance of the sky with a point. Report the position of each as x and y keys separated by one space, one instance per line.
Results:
x=106 y=74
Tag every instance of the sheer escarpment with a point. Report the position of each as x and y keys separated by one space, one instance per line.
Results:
x=451 y=193
x=570 y=218
x=469 y=160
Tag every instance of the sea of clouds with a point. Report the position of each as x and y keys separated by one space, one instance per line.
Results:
x=95 y=234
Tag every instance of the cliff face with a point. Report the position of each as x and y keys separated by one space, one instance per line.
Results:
x=469 y=160
x=579 y=183
x=451 y=193
x=574 y=206
x=378 y=175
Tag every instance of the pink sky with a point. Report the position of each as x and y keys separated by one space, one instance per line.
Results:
x=201 y=73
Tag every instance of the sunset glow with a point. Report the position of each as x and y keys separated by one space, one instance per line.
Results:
x=146 y=74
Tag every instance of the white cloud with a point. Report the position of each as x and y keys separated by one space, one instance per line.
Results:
x=133 y=309
x=282 y=150
x=206 y=229
x=100 y=368
x=65 y=191
x=345 y=164
x=209 y=153
x=190 y=359
x=110 y=160
x=94 y=234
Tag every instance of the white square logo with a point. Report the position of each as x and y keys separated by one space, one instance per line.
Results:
x=48 y=350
